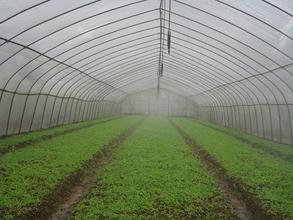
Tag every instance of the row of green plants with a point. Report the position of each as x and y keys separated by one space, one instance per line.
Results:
x=154 y=175
x=281 y=149
x=29 y=174
x=10 y=141
x=269 y=178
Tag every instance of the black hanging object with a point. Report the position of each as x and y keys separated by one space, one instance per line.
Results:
x=169 y=29
x=169 y=41
x=161 y=72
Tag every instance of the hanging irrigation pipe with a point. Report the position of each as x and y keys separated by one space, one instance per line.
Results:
x=162 y=41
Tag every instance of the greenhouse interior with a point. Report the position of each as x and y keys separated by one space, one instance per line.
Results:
x=146 y=109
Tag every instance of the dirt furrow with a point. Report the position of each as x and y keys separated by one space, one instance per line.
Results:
x=244 y=204
x=60 y=203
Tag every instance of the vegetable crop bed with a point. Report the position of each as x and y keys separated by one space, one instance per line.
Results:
x=268 y=178
x=154 y=176
x=18 y=141
x=28 y=175
x=282 y=151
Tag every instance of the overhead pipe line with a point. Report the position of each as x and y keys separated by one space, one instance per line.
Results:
x=162 y=42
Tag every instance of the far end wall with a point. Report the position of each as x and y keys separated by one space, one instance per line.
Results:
x=150 y=103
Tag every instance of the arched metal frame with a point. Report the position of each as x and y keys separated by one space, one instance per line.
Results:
x=81 y=61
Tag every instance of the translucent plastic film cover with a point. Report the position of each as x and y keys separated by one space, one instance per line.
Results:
x=212 y=52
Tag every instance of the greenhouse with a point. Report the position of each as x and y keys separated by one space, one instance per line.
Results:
x=146 y=109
